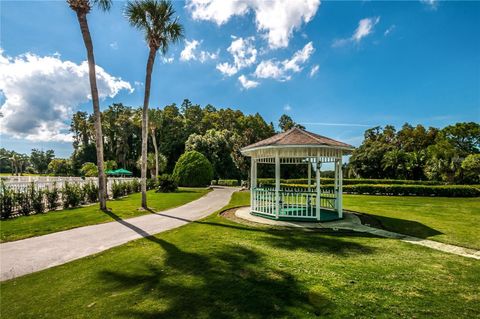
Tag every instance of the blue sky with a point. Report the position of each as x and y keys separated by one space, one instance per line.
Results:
x=344 y=67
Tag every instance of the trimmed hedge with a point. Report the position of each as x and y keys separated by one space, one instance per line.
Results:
x=193 y=169
x=166 y=184
x=226 y=182
x=399 y=190
x=352 y=181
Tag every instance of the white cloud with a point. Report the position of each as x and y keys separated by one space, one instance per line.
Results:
x=227 y=69
x=271 y=69
x=389 y=30
x=299 y=58
x=114 y=45
x=244 y=54
x=190 y=52
x=287 y=108
x=314 y=70
x=168 y=60
x=247 y=84
x=365 y=27
x=276 y=19
x=41 y=93
x=281 y=70
x=431 y=3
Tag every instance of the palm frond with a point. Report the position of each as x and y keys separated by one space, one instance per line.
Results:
x=104 y=5
x=156 y=19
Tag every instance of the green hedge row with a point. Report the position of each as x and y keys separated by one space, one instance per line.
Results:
x=226 y=182
x=353 y=181
x=400 y=190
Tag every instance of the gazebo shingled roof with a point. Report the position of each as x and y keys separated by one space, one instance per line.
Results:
x=297 y=136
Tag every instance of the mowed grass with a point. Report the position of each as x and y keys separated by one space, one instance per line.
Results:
x=35 y=225
x=449 y=220
x=217 y=268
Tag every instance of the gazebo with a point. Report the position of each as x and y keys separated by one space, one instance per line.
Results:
x=309 y=203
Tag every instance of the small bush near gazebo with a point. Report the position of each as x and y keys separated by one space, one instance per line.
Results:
x=166 y=184
x=193 y=169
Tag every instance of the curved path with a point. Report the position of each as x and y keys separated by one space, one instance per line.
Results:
x=33 y=254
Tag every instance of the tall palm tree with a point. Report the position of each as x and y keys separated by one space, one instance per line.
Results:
x=82 y=8
x=156 y=19
x=155 y=119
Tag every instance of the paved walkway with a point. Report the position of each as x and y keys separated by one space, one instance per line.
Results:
x=33 y=254
x=352 y=222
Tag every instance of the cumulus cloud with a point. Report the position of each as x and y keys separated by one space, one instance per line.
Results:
x=281 y=70
x=167 y=60
x=244 y=54
x=314 y=70
x=41 y=93
x=191 y=52
x=365 y=27
x=247 y=84
x=287 y=108
x=277 y=20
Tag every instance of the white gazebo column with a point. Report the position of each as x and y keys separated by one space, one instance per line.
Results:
x=340 y=188
x=335 y=189
x=253 y=183
x=277 y=185
x=317 y=171
x=309 y=173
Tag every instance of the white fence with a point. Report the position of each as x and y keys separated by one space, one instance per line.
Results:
x=21 y=183
x=293 y=202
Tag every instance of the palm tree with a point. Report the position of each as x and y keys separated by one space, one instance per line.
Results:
x=154 y=123
x=82 y=8
x=156 y=19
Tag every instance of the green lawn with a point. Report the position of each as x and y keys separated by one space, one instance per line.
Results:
x=35 y=225
x=217 y=268
x=450 y=220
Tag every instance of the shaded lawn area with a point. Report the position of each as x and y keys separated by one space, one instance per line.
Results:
x=449 y=220
x=216 y=268
x=127 y=207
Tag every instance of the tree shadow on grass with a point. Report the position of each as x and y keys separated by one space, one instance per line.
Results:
x=231 y=282
x=226 y=281
x=402 y=226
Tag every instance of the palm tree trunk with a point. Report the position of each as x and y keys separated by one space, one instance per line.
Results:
x=148 y=80
x=102 y=189
x=155 y=147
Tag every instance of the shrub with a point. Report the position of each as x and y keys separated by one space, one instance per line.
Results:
x=135 y=186
x=90 y=191
x=7 y=201
x=89 y=169
x=228 y=182
x=117 y=189
x=398 y=190
x=52 y=196
x=352 y=181
x=151 y=183
x=193 y=169
x=166 y=184
x=24 y=203
x=38 y=205
x=72 y=195
x=214 y=182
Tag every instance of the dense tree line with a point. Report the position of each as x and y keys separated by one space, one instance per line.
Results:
x=450 y=154
x=217 y=133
